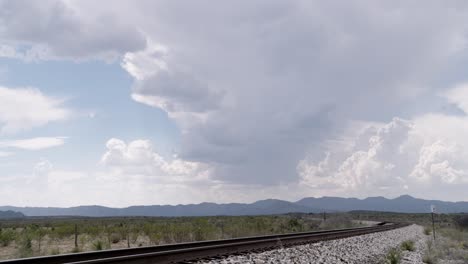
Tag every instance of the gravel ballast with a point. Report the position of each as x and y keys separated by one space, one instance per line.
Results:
x=365 y=249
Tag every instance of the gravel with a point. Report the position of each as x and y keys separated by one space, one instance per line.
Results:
x=365 y=249
x=415 y=257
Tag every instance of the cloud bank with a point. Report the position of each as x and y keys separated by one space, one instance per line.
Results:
x=353 y=99
x=54 y=29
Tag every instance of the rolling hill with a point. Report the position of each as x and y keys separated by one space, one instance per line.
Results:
x=403 y=204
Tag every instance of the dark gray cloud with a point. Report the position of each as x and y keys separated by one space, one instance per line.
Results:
x=291 y=73
x=178 y=92
x=54 y=29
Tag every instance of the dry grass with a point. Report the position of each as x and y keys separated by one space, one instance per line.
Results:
x=450 y=245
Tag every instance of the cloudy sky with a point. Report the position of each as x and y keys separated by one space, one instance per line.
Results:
x=164 y=102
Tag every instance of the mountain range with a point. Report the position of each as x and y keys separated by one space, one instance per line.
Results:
x=402 y=204
x=10 y=215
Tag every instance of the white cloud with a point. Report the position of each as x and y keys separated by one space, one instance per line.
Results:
x=459 y=96
x=365 y=168
x=399 y=157
x=42 y=167
x=25 y=108
x=138 y=158
x=134 y=171
x=145 y=63
x=33 y=143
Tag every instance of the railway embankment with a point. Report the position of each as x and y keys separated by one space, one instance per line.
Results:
x=365 y=249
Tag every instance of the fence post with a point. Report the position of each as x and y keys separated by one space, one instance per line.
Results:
x=76 y=235
x=433 y=227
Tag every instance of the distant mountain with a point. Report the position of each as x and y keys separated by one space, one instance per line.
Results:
x=10 y=215
x=403 y=204
x=263 y=207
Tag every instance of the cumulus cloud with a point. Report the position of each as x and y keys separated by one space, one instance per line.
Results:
x=436 y=162
x=364 y=168
x=138 y=158
x=25 y=108
x=399 y=157
x=254 y=86
x=55 y=29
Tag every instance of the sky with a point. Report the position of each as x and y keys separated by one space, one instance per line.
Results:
x=123 y=103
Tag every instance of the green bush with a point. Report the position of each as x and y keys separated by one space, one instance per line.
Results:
x=114 y=238
x=429 y=258
x=427 y=230
x=462 y=221
x=64 y=230
x=98 y=245
x=25 y=247
x=393 y=256
x=408 y=245
x=6 y=237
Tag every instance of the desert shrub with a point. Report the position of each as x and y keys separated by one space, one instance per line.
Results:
x=152 y=232
x=98 y=245
x=337 y=221
x=393 y=256
x=63 y=231
x=92 y=230
x=114 y=238
x=294 y=225
x=455 y=234
x=431 y=254
x=462 y=221
x=180 y=232
x=465 y=244
x=427 y=230
x=25 y=247
x=408 y=245
x=429 y=258
x=203 y=230
x=6 y=237
x=134 y=236
x=38 y=234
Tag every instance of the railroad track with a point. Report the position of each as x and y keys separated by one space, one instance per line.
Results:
x=190 y=252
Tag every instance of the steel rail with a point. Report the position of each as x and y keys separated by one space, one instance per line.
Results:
x=174 y=253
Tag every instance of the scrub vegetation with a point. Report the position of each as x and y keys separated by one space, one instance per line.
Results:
x=451 y=243
x=56 y=235
x=50 y=236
